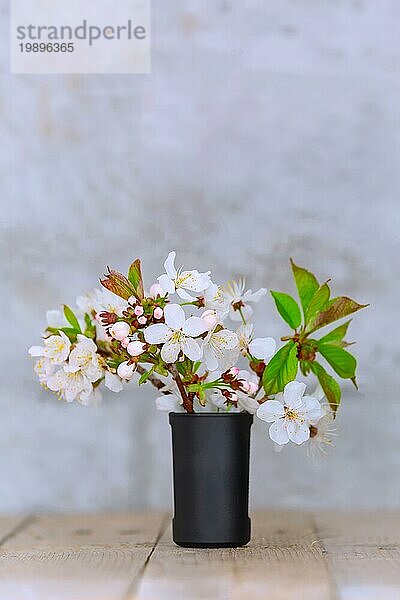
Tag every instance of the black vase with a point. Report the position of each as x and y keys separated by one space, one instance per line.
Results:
x=211 y=479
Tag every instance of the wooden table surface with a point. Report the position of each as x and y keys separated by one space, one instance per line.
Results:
x=299 y=555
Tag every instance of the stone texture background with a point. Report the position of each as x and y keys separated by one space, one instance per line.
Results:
x=266 y=130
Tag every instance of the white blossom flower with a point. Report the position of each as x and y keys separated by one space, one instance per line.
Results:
x=261 y=348
x=113 y=382
x=244 y=333
x=239 y=299
x=291 y=415
x=101 y=300
x=214 y=299
x=179 y=281
x=44 y=368
x=56 y=348
x=84 y=358
x=176 y=334
x=69 y=385
x=321 y=434
x=219 y=349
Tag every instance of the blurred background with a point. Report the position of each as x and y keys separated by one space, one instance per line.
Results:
x=266 y=130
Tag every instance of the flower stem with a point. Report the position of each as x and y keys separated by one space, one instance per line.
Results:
x=242 y=316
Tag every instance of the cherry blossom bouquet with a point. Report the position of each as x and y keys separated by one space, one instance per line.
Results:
x=176 y=337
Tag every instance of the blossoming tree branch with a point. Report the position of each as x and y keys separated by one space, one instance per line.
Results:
x=176 y=337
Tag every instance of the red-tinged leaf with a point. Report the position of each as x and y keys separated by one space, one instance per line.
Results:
x=118 y=284
x=338 y=308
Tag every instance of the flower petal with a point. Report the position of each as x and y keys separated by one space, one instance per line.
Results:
x=169 y=265
x=169 y=403
x=278 y=433
x=166 y=283
x=263 y=348
x=298 y=432
x=157 y=334
x=270 y=411
x=209 y=358
x=191 y=349
x=248 y=404
x=194 y=326
x=113 y=382
x=313 y=409
x=292 y=394
x=170 y=351
x=174 y=316
x=36 y=351
x=194 y=281
x=251 y=296
x=184 y=295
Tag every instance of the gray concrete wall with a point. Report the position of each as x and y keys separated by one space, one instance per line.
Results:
x=266 y=130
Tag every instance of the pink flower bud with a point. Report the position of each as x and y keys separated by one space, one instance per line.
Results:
x=253 y=387
x=125 y=371
x=135 y=348
x=210 y=317
x=125 y=342
x=142 y=320
x=132 y=300
x=233 y=372
x=156 y=290
x=120 y=330
x=158 y=312
x=244 y=385
x=139 y=310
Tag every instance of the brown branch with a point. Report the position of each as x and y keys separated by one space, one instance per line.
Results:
x=187 y=402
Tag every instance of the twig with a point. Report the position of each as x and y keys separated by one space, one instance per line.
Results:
x=187 y=403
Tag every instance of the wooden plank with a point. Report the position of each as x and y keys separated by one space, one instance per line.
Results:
x=88 y=557
x=363 y=553
x=284 y=561
x=11 y=526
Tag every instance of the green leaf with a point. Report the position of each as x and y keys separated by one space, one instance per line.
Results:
x=329 y=385
x=281 y=369
x=70 y=332
x=287 y=308
x=90 y=329
x=341 y=361
x=144 y=377
x=71 y=318
x=336 y=335
x=306 y=283
x=337 y=309
x=135 y=277
x=318 y=302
